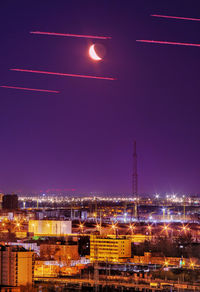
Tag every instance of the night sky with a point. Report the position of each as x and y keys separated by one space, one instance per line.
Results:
x=83 y=137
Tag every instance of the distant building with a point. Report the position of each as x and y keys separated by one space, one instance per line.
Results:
x=109 y=249
x=10 y=202
x=29 y=245
x=1 y=200
x=50 y=227
x=59 y=252
x=16 y=266
x=53 y=214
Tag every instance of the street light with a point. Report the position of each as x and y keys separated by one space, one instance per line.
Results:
x=114 y=227
x=165 y=229
x=185 y=228
x=166 y=263
x=81 y=227
x=132 y=227
x=192 y=264
x=149 y=228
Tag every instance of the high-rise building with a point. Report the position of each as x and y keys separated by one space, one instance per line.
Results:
x=16 y=266
x=10 y=202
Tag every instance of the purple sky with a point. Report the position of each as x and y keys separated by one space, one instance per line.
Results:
x=83 y=137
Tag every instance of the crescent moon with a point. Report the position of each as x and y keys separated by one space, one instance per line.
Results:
x=93 y=53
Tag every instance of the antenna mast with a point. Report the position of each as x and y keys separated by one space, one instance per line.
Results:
x=135 y=179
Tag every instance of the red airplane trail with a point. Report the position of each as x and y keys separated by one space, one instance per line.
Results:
x=71 y=35
x=168 y=43
x=63 y=74
x=175 y=17
x=30 y=89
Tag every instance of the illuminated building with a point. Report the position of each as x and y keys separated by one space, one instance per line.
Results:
x=10 y=202
x=150 y=258
x=49 y=227
x=10 y=289
x=60 y=252
x=30 y=245
x=16 y=266
x=138 y=238
x=109 y=249
x=1 y=200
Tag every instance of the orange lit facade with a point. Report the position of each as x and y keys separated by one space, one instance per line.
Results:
x=147 y=258
x=109 y=248
x=59 y=252
x=16 y=266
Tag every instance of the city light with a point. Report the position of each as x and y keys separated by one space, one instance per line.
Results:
x=132 y=228
x=149 y=228
x=185 y=229
x=81 y=226
x=192 y=264
x=114 y=226
x=165 y=229
x=166 y=263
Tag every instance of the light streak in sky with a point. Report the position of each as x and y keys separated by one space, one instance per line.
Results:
x=168 y=43
x=175 y=17
x=71 y=35
x=30 y=89
x=63 y=74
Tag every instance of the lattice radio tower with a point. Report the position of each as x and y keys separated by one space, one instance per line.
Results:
x=135 y=179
